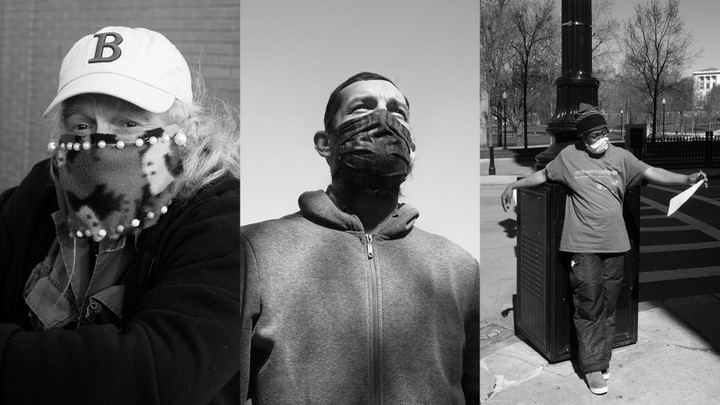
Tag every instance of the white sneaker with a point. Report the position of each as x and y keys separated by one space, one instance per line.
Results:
x=596 y=383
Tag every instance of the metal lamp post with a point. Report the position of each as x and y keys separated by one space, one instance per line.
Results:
x=499 y=131
x=709 y=129
x=504 y=96
x=622 y=123
x=576 y=85
x=683 y=127
x=663 y=133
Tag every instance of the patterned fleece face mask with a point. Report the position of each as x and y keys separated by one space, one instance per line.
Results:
x=110 y=185
x=374 y=151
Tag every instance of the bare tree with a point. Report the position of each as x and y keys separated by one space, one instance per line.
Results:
x=534 y=22
x=658 y=47
x=520 y=49
x=618 y=95
x=495 y=34
x=681 y=95
x=711 y=104
x=605 y=54
x=541 y=95
x=604 y=36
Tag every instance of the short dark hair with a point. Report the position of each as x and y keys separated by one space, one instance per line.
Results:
x=334 y=101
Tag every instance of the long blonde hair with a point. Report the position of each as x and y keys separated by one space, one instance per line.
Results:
x=213 y=148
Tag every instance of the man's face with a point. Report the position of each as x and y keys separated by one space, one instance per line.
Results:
x=363 y=97
x=368 y=141
x=97 y=113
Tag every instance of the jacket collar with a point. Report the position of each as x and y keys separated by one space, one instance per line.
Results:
x=319 y=208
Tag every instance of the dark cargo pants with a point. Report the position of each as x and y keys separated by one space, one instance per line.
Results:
x=596 y=280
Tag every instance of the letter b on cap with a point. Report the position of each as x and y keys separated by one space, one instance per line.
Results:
x=103 y=43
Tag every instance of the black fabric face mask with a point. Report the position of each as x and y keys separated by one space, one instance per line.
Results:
x=374 y=151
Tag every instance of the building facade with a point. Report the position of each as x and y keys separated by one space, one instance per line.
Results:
x=703 y=81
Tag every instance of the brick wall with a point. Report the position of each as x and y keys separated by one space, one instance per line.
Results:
x=36 y=34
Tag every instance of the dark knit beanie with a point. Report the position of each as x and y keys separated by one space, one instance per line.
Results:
x=589 y=119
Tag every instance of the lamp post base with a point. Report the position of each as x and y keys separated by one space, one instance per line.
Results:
x=563 y=134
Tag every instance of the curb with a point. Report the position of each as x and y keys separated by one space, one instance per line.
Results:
x=495 y=180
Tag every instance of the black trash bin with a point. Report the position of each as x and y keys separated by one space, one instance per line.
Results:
x=543 y=306
x=635 y=138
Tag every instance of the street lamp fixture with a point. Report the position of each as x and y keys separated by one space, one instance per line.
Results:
x=504 y=96
x=663 y=102
x=622 y=124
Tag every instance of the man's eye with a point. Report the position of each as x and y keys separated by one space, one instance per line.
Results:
x=81 y=127
x=400 y=114
x=130 y=124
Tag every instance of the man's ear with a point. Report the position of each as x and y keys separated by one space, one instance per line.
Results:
x=322 y=143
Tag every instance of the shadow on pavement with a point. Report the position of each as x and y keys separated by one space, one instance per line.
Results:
x=701 y=313
x=509 y=227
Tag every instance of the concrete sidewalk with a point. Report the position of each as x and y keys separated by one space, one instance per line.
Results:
x=670 y=364
x=675 y=361
x=507 y=170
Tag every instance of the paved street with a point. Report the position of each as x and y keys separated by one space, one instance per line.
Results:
x=679 y=255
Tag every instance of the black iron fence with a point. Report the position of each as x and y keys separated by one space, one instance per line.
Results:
x=680 y=150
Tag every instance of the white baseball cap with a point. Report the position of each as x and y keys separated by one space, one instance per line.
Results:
x=134 y=64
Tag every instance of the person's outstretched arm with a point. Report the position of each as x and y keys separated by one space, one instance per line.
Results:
x=535 y=179
x=657 y=175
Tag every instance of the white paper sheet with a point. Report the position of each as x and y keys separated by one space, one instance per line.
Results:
x=680 y=199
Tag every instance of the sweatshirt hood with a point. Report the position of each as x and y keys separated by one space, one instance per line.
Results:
x=317 y=207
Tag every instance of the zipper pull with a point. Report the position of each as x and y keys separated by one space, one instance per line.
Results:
x=368 y=239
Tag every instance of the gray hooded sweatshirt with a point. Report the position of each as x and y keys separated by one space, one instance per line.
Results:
x=332 y=315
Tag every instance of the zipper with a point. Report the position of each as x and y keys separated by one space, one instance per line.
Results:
x=375 y=322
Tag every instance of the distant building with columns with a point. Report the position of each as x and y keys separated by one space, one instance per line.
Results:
x=703 y=81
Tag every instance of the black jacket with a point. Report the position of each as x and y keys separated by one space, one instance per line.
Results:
x=180 y=343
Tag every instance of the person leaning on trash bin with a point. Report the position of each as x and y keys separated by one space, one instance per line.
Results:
x=594 y=238
x=119 y=255
x=347 y=301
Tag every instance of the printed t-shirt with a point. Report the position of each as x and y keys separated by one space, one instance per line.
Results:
x=594 y=205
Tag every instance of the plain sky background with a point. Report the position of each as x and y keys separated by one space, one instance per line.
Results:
x=701 y=17
x=294 y=53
